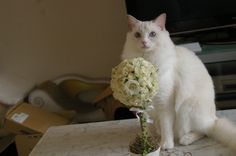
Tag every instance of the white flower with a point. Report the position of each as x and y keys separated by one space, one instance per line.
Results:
x=134 y=82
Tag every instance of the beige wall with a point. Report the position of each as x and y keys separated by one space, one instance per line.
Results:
x=42 y=39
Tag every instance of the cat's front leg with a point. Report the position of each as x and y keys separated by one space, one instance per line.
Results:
x=167 y=131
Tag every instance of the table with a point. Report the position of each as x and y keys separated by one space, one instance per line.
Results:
x=111 y=138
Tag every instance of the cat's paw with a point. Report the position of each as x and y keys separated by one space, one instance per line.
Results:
x=167 y=144
x=185 y=140
x=189 y=138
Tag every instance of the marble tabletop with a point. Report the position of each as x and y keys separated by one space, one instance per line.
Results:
x=111 y=138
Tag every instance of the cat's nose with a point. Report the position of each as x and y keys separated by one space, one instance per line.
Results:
x=144 y=42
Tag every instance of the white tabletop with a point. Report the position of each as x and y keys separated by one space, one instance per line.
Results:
x=112 y=138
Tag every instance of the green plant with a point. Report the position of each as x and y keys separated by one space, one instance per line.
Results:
x=134 y=83
x=143 y=143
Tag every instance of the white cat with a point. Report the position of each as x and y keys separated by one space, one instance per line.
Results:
x=184 y=106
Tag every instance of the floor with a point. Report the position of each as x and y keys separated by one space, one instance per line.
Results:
x=10 y=151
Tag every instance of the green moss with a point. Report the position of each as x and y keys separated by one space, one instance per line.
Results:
x=143 y=143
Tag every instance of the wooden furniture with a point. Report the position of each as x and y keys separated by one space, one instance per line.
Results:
x=111 y=138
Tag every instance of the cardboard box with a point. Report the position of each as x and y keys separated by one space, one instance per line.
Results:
x=25 y=143
x=24 y=118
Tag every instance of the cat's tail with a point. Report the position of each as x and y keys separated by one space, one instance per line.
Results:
x=224 y=131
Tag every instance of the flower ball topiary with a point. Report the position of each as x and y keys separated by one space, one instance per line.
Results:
x=134 y=82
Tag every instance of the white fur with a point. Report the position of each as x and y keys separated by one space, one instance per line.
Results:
x=184 y=105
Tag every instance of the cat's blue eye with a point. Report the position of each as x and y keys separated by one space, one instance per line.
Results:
x=137 y=35
x=152 y=34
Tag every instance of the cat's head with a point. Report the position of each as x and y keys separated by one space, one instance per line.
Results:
x=144 y=34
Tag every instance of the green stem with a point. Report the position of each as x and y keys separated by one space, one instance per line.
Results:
x=144 y=132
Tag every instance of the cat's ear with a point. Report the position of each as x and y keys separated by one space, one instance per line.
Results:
x=132 y=21
x=161 y=21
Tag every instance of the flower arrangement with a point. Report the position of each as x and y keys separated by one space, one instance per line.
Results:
x=134 y=83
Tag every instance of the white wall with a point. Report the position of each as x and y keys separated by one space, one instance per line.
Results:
x=43 y=39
